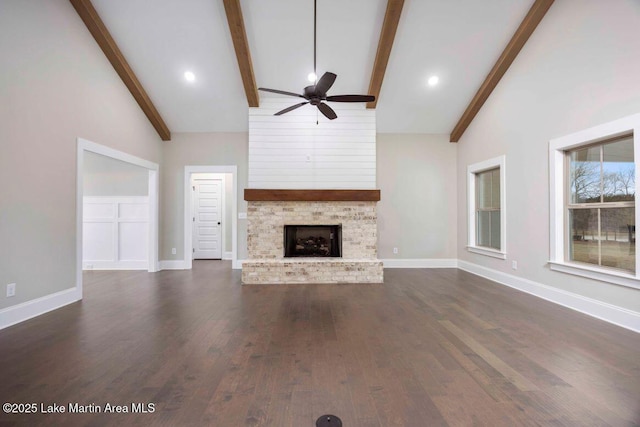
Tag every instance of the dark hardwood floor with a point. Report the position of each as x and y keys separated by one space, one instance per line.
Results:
x=427 y=348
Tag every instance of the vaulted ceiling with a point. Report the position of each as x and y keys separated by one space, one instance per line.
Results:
x=457 y=40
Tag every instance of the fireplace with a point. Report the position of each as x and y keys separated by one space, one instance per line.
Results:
x=281 y=252
x=313 y=241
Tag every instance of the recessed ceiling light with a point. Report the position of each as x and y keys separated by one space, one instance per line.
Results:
x=189 y=76
x=312 y=77
x=433 y=80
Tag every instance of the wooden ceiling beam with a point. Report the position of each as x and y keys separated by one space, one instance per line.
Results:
x=522 y=34
x=387 y=35
x=96 y=27
x=241 y=46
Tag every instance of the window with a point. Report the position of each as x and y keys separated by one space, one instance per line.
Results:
x=486 y=208
x=593 y=214
x=601 y=204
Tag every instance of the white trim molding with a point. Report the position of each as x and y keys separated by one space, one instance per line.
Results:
x=496 y=162
x=420 y=263
x=115 y=265
x=487 y=251
x=227 y=255
x=19 y=313
x=557 y=203
x=609 y=313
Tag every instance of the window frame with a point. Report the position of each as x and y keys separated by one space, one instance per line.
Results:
x=559 y=194
x=472 y=173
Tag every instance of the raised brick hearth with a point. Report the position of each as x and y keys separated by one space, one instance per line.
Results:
x=265 y=243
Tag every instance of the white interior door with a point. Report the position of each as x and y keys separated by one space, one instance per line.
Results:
x=207 y=218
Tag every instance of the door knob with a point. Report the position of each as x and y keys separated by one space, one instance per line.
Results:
x=218 y=222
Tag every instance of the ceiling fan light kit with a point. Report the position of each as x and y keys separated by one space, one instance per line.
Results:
x=317 y=94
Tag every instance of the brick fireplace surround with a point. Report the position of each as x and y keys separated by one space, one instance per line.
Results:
x=270 y=210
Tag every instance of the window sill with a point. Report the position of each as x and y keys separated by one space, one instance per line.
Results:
x=487 y=252
x=602 y=275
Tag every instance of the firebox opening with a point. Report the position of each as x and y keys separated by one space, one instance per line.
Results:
x=313 y=241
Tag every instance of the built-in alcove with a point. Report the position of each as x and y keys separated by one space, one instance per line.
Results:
x=313 y=241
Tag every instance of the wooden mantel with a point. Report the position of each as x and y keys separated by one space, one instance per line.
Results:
x=274 y=195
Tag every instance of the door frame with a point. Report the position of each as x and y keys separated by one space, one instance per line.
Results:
x=187 y=210
x=84 y=145
x=223 y=213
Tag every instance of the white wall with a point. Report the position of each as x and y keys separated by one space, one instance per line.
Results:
x=579 y=69
x=292 y=151
x=417 y=210
x=56 y=85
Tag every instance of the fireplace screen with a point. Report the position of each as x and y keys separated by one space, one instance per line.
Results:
x=312 y=241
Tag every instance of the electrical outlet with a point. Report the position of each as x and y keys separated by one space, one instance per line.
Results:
x=11 y=290
x=395 y=250
x=173 y=251
x=514 y=265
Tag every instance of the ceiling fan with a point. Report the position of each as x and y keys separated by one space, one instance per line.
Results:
x=316 y=94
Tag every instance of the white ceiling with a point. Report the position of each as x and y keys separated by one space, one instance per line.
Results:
x=458 y=40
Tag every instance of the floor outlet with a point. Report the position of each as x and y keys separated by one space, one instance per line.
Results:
x=11 y=290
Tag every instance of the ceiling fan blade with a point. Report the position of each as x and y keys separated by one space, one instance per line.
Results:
x=327 y=111
x=293 y=107
x=325 y=82
x=351 y=98
x=281 y=92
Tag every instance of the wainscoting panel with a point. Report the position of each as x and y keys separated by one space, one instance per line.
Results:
x=115 y=233
x=292 y=151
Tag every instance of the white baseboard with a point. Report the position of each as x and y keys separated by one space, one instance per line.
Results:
x=227 y=255
x=609 y=313
x=172 y=264
x=420 y=263
x=115 y=265
x=237 y=264
x=29 y=309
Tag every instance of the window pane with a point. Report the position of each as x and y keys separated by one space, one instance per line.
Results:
x=619 y=171
x=483 y=228
x=583 y=246
x=483 y=185
x=618 y=244
x=495 y=230
x=585 y=175
x=495 y=188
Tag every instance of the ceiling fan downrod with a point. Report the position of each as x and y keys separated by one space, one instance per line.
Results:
x=315 y=14
x=316 y=94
